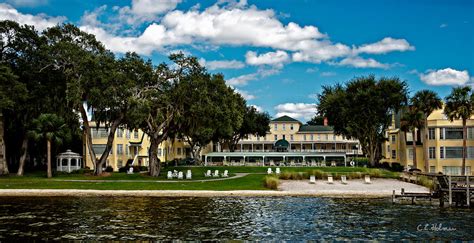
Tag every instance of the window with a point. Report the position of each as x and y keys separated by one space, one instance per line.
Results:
x=394 y=139
x=101 y=132
x=178 y=152
x=291 y=127
x=135 y=134
x=284 y=127
x=128 y=134
x=432 y=169
x=441 y=133
x=410 y=153
x=470 y=152
x=327 y=137
x=304 y=137
x=431 y=133
x=291 y=137
x=276 y=137
x=334 y=137
x=470 y=133
x=312 y=137
x=432 y=152
x=73 y=162
x=455 y=170
x=453 y=152
x=119 y=148
x=275 y=127
x=119 y=163
x=388 y=148
x=284 y=137
x=441 y=152
x=64 y=162
x=453 y=132
x=98 y=148
x=119 y=132
x=319 y=137
x=394 y=154
x=160 y=151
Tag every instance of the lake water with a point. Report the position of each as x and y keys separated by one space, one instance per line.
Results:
x=241 y=218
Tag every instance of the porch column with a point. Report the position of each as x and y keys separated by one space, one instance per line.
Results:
x=240 y=147
x=304 y=158
x=205 y=160
x=69 y=165
x=252 y=147
x=225 y=158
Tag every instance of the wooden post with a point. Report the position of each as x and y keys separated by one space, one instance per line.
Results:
x=393 y=197
x=468 y=196
x=450 y=191
x=403 y=191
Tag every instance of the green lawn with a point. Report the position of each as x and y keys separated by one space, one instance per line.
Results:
x=253 y=181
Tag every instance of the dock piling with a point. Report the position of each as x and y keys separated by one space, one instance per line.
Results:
x=450 y=191
x=468 y=195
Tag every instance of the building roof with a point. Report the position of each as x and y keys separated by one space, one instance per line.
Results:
x=285 y=119
x=315 y=128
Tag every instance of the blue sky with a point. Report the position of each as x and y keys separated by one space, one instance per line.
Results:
x=278 y=54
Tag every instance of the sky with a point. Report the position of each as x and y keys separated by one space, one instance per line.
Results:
x=279 y=53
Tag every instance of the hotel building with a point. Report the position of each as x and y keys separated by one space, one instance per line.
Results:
x=445 y=143
x=287 y=140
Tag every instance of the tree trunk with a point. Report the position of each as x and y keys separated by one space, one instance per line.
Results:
x=24 y=151
x=154 y=164
x=425 y=145
x=108 y=146
x=3 y=156
x=464 y=148
x=413 y=134
x=48 y=149
x=88 y=136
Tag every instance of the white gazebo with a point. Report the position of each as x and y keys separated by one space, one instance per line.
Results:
x=68 y=161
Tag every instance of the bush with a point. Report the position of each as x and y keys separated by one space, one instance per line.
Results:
x=354 y=175
x=271 y=182
x=361 y=162
x=426 y=182
x=397 y=167
x=318 y=174
x=293 y=176
x=109 y=169
x=123 y=169
x=375 y=173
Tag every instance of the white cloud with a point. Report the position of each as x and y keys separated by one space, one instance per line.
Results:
x=447 y=76
x=27 y=3
x=223 y=64
x=242 y=80
x=360 y=62
x=443 y=25
x=245 y=94
x=258 y=108
x=318 y=51
x=270 y=58
x=296 y=110
x=387 y=44
x=146 y=10
x=312 y=70
x=327 y=74
x=40 y=21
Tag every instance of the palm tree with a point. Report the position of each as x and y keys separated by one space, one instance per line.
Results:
x=52 y=128
x=426 y=101
x=413 y=119
x=459 y=105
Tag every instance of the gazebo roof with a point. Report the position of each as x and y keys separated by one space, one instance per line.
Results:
x=69 y=154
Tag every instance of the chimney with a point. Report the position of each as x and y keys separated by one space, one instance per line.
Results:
x=325 y=121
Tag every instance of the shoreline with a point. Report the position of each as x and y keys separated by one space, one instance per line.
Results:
x=178 y=193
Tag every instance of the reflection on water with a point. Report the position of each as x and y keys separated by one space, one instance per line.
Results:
x=287 y=218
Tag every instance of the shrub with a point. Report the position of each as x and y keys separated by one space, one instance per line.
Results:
x=123 y=169
x=318 y=174
x=271 y=182
x=354 y=175
x=426 y=182
x=293 y=176
x=397 y=167
x=375 y=173
x=109 y=169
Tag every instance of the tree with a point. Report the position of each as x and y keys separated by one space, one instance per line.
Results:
x=316 y=120
x=158 y=105
x=411 y=120
x=362 y=108
x=254 y=123
x=51 y=128
x=426 y=101
x=459 y=105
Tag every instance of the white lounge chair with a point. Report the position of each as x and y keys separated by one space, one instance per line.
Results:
x=344 y=179
x=216 y=173
x=330 y=179
x=208 y=173
x=323 y=164
x=312 y=179
x=188 y=175
x=367 y=179
x=292 y=163
x=170 y=175
x=180 y=175
x=333 y=163
x=226 y=173
x=269 y=171
x=277 y=171
x=313 y=164
x=130 y=171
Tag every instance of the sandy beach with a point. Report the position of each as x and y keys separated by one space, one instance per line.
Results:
x=355 y=188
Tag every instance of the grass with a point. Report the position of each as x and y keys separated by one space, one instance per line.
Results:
x=256 y=180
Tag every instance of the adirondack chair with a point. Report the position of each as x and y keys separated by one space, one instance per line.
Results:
x=130 y=170
x=170 y=175
x=277 y=171
x=208 y=173
x=344 y=179
x=216 y=173
x=188 y=175
x=226 y=173
x=180 y=175
x=269 y=171
x=312 y=179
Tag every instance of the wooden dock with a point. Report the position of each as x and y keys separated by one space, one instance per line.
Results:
x=454 y=190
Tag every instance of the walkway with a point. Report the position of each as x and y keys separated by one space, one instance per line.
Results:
x=237 y=175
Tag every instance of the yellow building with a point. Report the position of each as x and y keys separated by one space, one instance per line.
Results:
x=445 y=141
x=131 y=146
